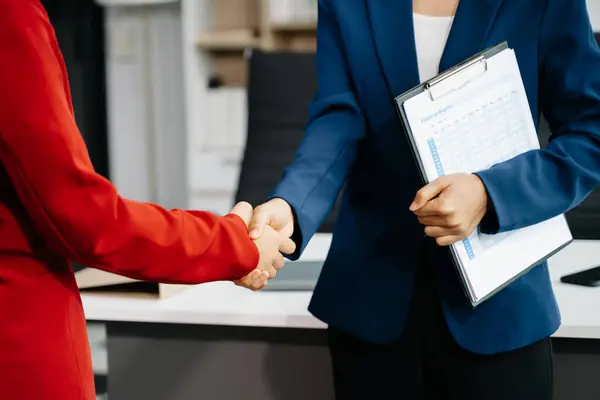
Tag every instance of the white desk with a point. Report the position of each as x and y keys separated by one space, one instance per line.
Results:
x=178 y=347
x=225 y=304
x=579 y=306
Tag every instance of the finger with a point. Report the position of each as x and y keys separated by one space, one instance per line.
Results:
x=434 y=220
x=440 y=231
x=288 y=229
x=448 y=240
x=259 y=220
x=255 y=274
x=262 y=286
x=278 y=262
x=269 y=271
x=428 y=192
x=244 y=211
x=260 y=282
x=272 y=272
x=287 y=246
x=254 y=280
x=440 y=206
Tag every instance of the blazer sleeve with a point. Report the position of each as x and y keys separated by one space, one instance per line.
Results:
x=80 y=213
x=314 y=179
x=542 y=184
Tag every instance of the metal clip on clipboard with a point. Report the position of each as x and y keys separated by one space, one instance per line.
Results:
x=456 y=78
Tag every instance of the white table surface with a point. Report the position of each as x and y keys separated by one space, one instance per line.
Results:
x=223 y=303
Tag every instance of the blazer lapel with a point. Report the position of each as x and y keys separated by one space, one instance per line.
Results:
x=470 y=29
x=393 y=33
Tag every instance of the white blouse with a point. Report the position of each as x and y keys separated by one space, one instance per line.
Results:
x=431 y=34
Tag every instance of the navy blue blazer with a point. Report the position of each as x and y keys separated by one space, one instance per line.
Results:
x=366 y=56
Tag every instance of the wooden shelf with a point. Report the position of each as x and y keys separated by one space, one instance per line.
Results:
x=230 y=40
x=238 y=25
x=295 y=27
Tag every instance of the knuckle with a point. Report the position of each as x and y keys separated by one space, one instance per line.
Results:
x=463 y=229
x=454 y=222
x=446 y=208
x=258 y=214
x=271 y=271
x=244 y=204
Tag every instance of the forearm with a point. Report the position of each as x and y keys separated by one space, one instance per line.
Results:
x=542 y=184
x=312 y=183
x=79 y=212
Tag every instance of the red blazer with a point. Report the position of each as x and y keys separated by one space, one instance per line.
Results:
x=55 y=209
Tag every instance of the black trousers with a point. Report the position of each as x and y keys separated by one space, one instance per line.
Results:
x=426 y=363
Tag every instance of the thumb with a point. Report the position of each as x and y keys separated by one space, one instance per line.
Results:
x=287 y=246
x=428 y=192
x=259 y=220
x=244 y=211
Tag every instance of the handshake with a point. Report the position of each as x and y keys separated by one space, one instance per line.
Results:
x=270 y=226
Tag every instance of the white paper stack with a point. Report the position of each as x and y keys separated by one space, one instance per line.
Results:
x=289 y=11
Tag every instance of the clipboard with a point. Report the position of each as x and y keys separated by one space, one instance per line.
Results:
x=449 y=83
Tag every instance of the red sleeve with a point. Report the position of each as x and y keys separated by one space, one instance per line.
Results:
x=79 y=212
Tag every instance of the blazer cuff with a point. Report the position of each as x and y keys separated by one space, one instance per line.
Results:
x=498 y=218
x=489 y=223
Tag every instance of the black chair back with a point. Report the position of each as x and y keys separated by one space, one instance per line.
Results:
x=280 y=88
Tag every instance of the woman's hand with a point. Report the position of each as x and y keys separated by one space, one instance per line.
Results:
x=451 y=207
x=270 y=245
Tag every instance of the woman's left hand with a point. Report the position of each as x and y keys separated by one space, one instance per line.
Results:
x=451 y=207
